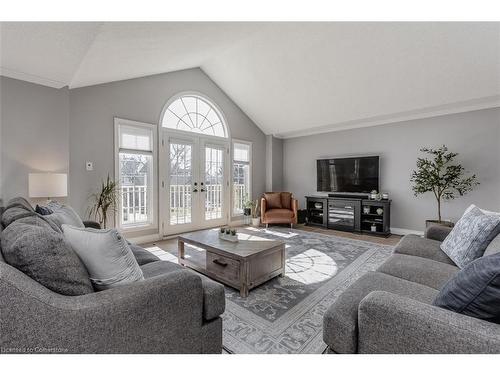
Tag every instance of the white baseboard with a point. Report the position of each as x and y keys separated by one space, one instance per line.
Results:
x=404 y=231
x=144 y=239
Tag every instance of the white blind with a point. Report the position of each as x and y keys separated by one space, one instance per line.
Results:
x=135 y=138
x=241 y=152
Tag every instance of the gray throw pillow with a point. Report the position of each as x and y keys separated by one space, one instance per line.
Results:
x=106 y=255
x=471 y=236
x=475 y=290
x=63 y=214
x=493 y=247
x=34 y=248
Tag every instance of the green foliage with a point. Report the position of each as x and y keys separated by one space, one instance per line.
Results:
x=104 y=201
x=441 y=176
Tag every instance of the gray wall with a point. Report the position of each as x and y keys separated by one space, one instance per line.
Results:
x=475 y=135
x=93 y=108
x=35 y=133
x=274 y=163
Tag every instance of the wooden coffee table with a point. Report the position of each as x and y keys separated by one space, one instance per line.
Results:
x=242 y=265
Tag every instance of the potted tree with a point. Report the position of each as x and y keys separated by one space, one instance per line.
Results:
x=440 y=175
x=255 y=212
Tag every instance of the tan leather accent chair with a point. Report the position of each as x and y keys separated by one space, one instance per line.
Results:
x=278 y=208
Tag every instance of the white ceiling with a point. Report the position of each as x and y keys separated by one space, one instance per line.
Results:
x=290 y=78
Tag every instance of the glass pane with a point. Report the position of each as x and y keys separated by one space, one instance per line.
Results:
x=194 y=114
x=136 y=138
x=241 y=152
x=241 y=186
x=181 y=175
x=214 y=182
x=136 y=188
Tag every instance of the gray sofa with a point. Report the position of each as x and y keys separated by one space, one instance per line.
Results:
x=391 y=311
x=174 y=310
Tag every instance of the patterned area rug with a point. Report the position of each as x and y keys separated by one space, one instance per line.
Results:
x=285 y=315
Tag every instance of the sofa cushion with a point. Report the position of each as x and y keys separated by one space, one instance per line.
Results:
x=475 y=290
x=286 y=200
x=412 y=244
x=471 y=236
x=34 y=248
x=20 y=201
x=214 y=301
x=106 y=255
x=15 y=212
x=142 y=256
x=493 y=247
x=340 y=322
x=279 y=213
x=419 y=270
x=273 y=200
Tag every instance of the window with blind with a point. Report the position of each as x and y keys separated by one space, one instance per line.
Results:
x=135 y=171
x=241 y=175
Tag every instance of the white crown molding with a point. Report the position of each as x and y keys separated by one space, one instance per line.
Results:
x=10 y=73
x=447 y=109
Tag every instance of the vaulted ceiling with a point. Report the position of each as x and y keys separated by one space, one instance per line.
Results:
x=290 y=78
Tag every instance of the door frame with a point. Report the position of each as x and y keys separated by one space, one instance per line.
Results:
x=198 y=141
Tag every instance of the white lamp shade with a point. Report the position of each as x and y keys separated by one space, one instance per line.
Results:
x=48 y=185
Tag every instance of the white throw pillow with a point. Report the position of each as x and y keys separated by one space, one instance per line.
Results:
x=106 y=254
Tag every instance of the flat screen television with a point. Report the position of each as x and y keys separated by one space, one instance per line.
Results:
x=348 y=175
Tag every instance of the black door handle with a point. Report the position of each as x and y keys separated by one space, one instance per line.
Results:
x=202 y=190
x=195 y=190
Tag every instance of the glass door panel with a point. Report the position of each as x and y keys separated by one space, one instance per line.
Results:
x=181 y=183
x=213 y=181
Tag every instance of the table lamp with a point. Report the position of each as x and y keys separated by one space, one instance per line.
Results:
x=48 y=185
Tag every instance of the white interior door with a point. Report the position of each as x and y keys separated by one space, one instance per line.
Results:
x=195 y=183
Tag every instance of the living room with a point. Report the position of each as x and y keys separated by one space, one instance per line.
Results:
x=257 y=187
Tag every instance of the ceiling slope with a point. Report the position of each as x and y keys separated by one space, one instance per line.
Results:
x=290 y=78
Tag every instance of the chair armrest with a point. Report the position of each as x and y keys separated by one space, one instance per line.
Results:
x=437 y=232
x=389 y=323
x=91 y=224
x=158 y=315
x=263 y=208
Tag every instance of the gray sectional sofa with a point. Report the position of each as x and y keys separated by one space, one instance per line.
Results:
x=391 y=311
x=174 y=310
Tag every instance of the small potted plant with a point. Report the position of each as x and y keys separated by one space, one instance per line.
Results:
x=442 y=177
x=255 y=213
x=247 y=208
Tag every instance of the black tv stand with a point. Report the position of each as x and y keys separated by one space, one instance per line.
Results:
x=350 y=213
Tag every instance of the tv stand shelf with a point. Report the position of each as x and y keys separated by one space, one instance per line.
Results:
x=350 y=213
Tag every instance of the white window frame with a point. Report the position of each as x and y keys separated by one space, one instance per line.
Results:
x=250 y=175
x=153 y=203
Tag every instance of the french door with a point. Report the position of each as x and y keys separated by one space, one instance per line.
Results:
x=195 y=183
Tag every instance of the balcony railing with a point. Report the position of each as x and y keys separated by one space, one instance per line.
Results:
x=134 y=202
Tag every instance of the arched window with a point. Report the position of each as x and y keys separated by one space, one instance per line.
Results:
x=193 y=113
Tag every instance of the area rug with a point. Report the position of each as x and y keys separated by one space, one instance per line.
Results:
x=285 y=315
